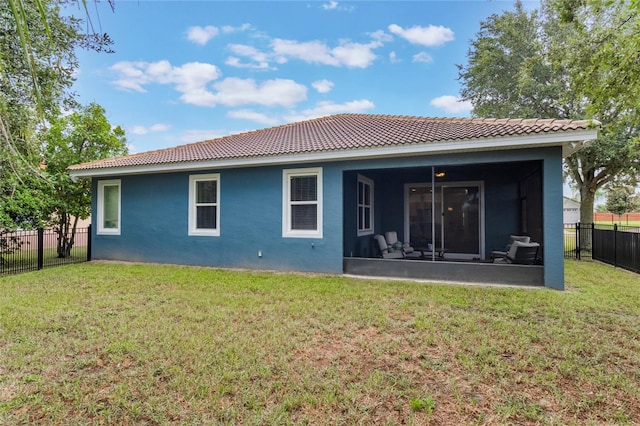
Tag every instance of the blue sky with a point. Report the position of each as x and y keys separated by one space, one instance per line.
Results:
x=186 y=71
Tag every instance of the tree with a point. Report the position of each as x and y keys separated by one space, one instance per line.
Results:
x=533 y=65
x=37 y=66
x=621 y=199
x=602 y=61
x=80 y=137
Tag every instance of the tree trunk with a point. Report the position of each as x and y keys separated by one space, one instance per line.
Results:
x=72 y=238
x=587 y=199
x=66 y=235
x=63 y=231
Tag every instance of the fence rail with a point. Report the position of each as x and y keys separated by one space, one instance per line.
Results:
x=618 y=245
x=23 y=251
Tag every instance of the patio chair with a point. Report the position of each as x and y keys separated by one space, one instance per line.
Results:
x=521 y=238
x=519 y=253
x=387 y=251
x=512 y=238
x=392 y=240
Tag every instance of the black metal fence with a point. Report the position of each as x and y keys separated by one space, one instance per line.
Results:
x=578 y=239
x=618 y=245
x=22 y=251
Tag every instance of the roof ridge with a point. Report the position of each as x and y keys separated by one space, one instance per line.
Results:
x=234 y=135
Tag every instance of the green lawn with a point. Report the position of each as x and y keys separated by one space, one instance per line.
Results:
x=129 y=344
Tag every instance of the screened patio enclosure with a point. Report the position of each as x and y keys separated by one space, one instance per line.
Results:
x=457 y=213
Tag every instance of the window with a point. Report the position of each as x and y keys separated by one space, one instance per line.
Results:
x=109 y=207
x=365 y=206
x=204 y=211
x=302 y=203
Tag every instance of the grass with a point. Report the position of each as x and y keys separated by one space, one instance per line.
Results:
x=147 y=344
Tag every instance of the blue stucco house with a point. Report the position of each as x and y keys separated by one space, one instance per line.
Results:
x=309 y=196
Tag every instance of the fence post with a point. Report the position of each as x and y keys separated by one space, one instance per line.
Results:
x=40 y=248
x=591 y=238
x=615 y=245
x=89 y=243
x=578 y=228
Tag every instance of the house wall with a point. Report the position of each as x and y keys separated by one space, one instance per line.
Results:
x=553 y=249
x=154 y=222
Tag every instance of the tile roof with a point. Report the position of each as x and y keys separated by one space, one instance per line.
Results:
x=341 y=132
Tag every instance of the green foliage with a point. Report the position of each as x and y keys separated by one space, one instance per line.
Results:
x=537 y=65
x=25 y=204
x=504 y=76
x=37 y=67
x=621 y=199
x=80 y=137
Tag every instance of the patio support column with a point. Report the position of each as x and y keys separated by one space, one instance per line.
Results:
x=552 y=222
x=433 y=213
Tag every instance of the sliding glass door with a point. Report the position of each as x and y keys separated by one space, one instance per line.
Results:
x=423 y=211
x=453 y=215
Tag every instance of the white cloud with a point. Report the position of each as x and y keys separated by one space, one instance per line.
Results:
x=346 y=53
x=159 y=127
x=393 y=58
x=349 y=54
x=202 y=35
x=331 y=5
x=260 y=58
x=381 y=36
x=426 y=36
x=232 y=61
x=323 y=86
x=355 y=55
x=190 y=79
x=131 y=76
x=236 y=91
x=230 y=29
x=422 y=57
x=131 y=148
x=143 y=130
x=329 y=108
x=138 y=130
x=310 y=51
x=248 y=51
x=452 y=104
x=334 y=5
x=247 y=114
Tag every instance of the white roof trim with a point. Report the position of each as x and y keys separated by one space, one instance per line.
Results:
x=571 y=141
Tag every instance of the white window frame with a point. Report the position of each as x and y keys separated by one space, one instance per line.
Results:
x=368 y=182
x=287 y=174
x=193 y=221
x=100 y=219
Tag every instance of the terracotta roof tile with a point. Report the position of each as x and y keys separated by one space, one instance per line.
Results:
x=339 y=133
